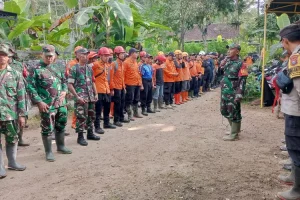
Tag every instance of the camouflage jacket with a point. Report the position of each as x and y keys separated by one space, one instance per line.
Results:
x=12 y=95
x=44 y=85
x=234 y=81
x=18 y=66
x=82 y=79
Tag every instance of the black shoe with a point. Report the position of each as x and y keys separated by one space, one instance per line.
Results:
x=119 y=124
x=144 y=112
x=149 y=110
x=99 y=131
x=110 y=126
x=92 y=136
x=81 y=140
x=124 y=121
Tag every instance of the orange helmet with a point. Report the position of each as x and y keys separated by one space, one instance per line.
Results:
x=103 y=51
x=77 y=48
x=160 y=53
x=161 y=58
x=119 y=49
x=143 y=54
x=92 y=54
x=184 y=54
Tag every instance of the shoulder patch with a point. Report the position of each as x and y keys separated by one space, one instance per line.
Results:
x=294 y=60
x=243 y=71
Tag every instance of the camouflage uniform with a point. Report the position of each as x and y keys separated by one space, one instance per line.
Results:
x=45 y=86
x=12 y=103
x=82 y=80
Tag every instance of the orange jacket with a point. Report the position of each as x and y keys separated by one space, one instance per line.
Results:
x=70 y=65
x=186 y=71
x=117 y=76
x=168 y=71
x=193 y=69
x=132 y=74
x=100 y=70
x=200 y=69
x=180 y=72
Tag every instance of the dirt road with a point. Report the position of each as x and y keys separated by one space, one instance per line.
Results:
x=174 y=154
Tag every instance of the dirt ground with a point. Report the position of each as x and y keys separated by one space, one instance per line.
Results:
x=174 y=154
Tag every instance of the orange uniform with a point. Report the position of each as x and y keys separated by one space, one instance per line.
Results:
x=132 y=76
x=70 y=65
x=186 y=71
x=169 y=70
x=200 y=69
x=193 y=69
x=117 y=76
x=100 y=70
x=180 y=72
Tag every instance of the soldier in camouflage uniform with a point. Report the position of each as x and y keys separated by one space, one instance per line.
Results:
x=19 y=67
x=232 y=89
x=81 y=85
x=12 y=110
x=47 y=88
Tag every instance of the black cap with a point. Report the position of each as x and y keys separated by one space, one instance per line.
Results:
x=171 y=54
x=133 y=50
x=83 y=51
x=290 y=30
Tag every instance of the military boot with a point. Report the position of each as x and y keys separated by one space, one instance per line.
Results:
x=92 y=136
x=288 y=179
x=11 y=153
x=81 y=140
x=60 y=143
x=47 y=140
x=234 y=132
x=149 y=110
x=144 y=111
x=136 y=112
x=98 y=129
x=2 y=168
x=160 y=103
x=155 y=103
x=21 y=142
x=294 y=193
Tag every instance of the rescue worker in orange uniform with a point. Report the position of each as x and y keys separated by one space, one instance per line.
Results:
x=194 y=90
x=186 y=77
x=178 y=79
x=117 y=84
x=133 y=82
x=110 y=61
x=200 y=71
x=170 y=74
x=93 y=57
x=68 y=68
x=100 y=69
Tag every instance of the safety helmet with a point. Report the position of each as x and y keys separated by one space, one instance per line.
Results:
x=111 y=51
x=92 y=54
x=184 y=54
x=202 y=53
x=143 y=54
x=178 y=52
x=77 y=48
x=103 y=51
x=161 y=58
x=119 y=49
x=160 y=53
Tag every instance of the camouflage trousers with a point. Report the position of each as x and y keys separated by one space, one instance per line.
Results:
x=54 y=119
x=10 y=130
x=85 y=116
x=230 y=109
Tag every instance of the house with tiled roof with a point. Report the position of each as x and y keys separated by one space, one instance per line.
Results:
x=227 y=31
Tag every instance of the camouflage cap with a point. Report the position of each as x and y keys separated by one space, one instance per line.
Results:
x=82 y=51
x=293 y=29
x=4 y=48
x=49 y=50
x=233 y=45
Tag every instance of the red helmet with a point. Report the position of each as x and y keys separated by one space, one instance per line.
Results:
x=119 y=49
x=111 y=51
x=103 y=51
x=143 y=54
x=161 y=58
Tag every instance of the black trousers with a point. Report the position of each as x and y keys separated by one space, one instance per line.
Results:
x=119 y=104
x=178 y=87
x=146 y=94
x=194 y=86
x=102 y=103
x=169 y=90
x=292 y=137
x=132 y=96
x=206 y=81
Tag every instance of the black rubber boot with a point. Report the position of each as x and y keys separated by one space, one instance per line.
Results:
x=81 y=140
x=2 y=168
x=21 y=142
x=149 y=110
x=60 y=143
x=47 y=141
x=109 y=126
x=92 y=136
x=144 y=112
x=124 y=121
x=294 y=193
x=11 y=153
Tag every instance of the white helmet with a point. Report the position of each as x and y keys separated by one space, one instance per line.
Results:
x=202 y=53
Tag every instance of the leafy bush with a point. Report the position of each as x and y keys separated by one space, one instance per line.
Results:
x=252 y=91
